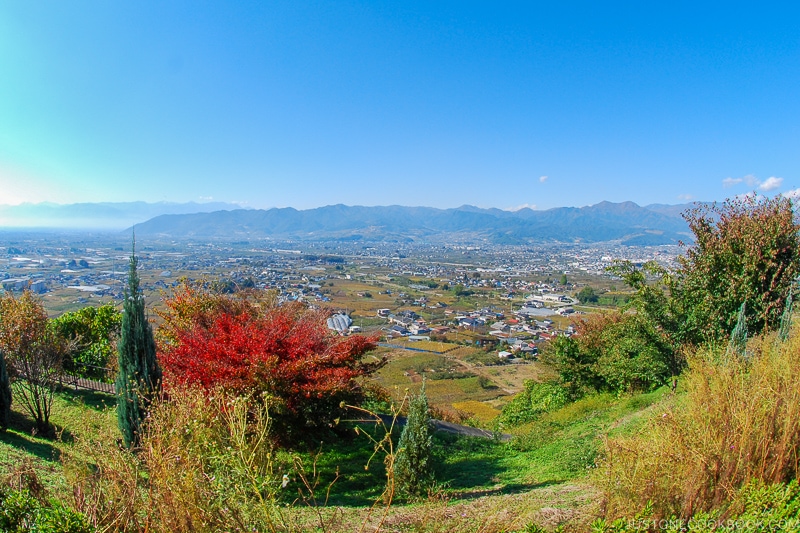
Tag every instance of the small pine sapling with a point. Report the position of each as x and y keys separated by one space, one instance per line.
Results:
x=413 y=466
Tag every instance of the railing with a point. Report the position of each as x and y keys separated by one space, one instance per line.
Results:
x=77 y=382
x=100 y=379
x=66 y=379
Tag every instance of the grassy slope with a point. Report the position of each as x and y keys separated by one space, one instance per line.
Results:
x=74 y=414
x=540 y=475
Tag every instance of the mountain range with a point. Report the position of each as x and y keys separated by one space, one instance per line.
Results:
x=624 y=222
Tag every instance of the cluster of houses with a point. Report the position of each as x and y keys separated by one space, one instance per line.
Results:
x=37 y=286
x=405 y=323
x=517 y=336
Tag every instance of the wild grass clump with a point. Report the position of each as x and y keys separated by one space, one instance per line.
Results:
x=205 y=463
x=757 y=507
x=737 y=423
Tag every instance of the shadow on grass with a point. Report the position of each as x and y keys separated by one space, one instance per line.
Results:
x=21 y=435
x=98 y=401
x=513 y=488
x=347 y=456
x=468 y=463
x=466 y=468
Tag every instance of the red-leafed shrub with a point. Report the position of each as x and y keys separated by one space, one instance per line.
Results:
x=285 y=351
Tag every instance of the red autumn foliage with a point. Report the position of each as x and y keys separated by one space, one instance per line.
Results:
x=283 y=350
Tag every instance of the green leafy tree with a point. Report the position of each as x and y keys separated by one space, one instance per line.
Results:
x=574 y=366
x=616 y=352
x=35 y=352
x=139 y=378
x=413 y=468
x=459 y=290
x=5 y=393
x=563 y=280
x=587 y=295
x=746 y=250
x=93 y=331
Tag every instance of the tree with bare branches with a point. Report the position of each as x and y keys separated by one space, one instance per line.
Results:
x=35 y=353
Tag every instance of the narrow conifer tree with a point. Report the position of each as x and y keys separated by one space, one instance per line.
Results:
x=139 y=378
x=786 y=319
x=413 y=466
x=5 y=393
x=738 y=343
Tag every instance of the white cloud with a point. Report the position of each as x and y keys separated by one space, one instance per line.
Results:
x=685 y=197
x=794 y=194
x=542 y=179
x=752 y=181
x=523 y=206
x=205 y=198
x=749 y=179
x=771 y=183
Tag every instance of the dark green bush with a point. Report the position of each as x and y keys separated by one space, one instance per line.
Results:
x=537 y=398
x=21 y=512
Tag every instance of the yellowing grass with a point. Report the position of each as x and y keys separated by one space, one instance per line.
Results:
x=478 y=410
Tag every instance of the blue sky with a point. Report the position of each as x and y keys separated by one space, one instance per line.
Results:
x=438 y=103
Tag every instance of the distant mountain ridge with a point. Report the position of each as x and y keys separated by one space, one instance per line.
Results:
x=625 y=222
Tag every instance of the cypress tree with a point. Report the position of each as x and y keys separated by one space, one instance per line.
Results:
x=139 y=378
x=738 y=343
x=413 y=466
x=786 y=319
x=5 y=393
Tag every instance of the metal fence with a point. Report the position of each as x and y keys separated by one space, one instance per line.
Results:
x=89 y=377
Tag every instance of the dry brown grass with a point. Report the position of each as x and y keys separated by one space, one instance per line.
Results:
x=205 y=464
x=737 y=422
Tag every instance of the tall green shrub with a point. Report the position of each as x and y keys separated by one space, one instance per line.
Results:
x=5 y=393
x=747 y=249
x=139 y=378
x=413 y=466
